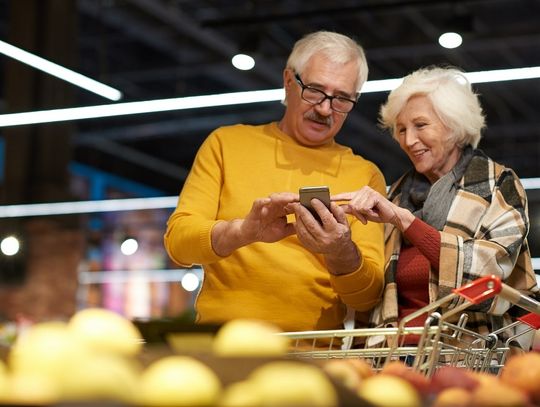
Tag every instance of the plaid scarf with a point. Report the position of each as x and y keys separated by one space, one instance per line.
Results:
x=431 y=203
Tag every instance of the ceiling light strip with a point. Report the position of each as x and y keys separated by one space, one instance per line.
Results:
x=69 y=208
x=504 y=75
x=530 y=183
x=224 y=99
x=129 y=204
x=123 y=276
x=60 y=72
x=150 y=106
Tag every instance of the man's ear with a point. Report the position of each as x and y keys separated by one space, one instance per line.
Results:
x=288 y=78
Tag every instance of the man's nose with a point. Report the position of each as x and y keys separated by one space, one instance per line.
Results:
x=325 y=107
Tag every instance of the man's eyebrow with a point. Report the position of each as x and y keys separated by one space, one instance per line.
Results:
x=338 y=92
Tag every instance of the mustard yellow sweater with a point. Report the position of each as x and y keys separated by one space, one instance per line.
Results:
x=279 y=282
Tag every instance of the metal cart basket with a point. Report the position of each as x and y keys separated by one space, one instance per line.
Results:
x=437 y=343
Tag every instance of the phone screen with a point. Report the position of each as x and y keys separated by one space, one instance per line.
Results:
x=322 y=193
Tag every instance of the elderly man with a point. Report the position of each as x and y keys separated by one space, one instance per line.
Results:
x=232 y=214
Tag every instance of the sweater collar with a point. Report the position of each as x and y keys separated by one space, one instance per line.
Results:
x=291 y=154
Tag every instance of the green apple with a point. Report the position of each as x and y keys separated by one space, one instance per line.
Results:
x=179 y=381
x=389 y=391
x=249 y=337
x=106 y=331
x=293 y=383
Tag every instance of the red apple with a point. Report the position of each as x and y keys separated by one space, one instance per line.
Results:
x=386 y=390
x=453 y=397
x=349 y=372
x=450 y=376
x=498 y=394
x=418 y=380
x=523 y=372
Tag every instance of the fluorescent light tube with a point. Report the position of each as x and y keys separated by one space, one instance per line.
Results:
x=149 y=106
x=60 y=72
x=224 y=99
x=530 y=183
x=67 y=208
x=127 y=204
x=504 y=75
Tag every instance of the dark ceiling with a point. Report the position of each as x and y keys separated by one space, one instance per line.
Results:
x=153 y=49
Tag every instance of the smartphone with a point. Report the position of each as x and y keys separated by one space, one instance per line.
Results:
x=322 y=193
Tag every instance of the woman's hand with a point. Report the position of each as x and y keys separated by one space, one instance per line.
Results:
x=369 y=205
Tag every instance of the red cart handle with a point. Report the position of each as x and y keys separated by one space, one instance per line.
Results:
x=480 y=289
x=487 y=287
x=531 y=319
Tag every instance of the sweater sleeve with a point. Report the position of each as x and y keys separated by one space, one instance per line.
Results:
x=427 y=239
x=188 y=235
x=362 y=289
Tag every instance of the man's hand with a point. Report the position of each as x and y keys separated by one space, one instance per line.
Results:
x=331 y=237
x=265 y=222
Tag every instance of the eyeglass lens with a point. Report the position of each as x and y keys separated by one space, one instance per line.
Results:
x=317 y=96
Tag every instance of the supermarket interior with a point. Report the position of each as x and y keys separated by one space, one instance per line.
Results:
x=105 y=103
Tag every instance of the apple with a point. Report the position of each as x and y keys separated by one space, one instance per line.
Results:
x=387 y=390
x=106 y=331
x=178 y=381
x=452 y=376
x=420 y=382
x=362 y=367
x=103 y=377
x=48 y=349
x=249 y=337
x=54 y=361
x=498 y=395
x=28 y=389
x=483 y=378
x=522 y=371
x=453 y=397
x=292 y=383
x=240 y=394
x=348 y=371
x=343 y=372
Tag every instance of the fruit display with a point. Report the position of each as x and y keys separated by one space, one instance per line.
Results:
x=99 y=358
x=517 y=385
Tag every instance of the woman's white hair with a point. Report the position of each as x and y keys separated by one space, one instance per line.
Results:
x=452 y=98
x=336 y=47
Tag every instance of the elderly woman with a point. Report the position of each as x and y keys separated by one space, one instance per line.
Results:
x=456 y=216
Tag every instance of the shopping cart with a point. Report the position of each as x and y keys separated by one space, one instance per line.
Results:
x=437 y=343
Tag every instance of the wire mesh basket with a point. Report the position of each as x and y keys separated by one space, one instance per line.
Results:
x=437 y=343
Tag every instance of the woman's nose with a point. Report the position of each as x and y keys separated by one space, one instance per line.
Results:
x=410 y=137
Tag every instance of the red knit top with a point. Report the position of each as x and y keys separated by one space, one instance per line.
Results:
x=420 y=250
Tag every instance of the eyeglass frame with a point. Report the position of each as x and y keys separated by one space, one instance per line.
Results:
x=325 y=96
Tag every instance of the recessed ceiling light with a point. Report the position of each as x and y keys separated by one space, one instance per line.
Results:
x=450 y=40
x=10 y=246
x=243 y=62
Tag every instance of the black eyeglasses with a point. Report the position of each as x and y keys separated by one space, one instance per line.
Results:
x=316 y=96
